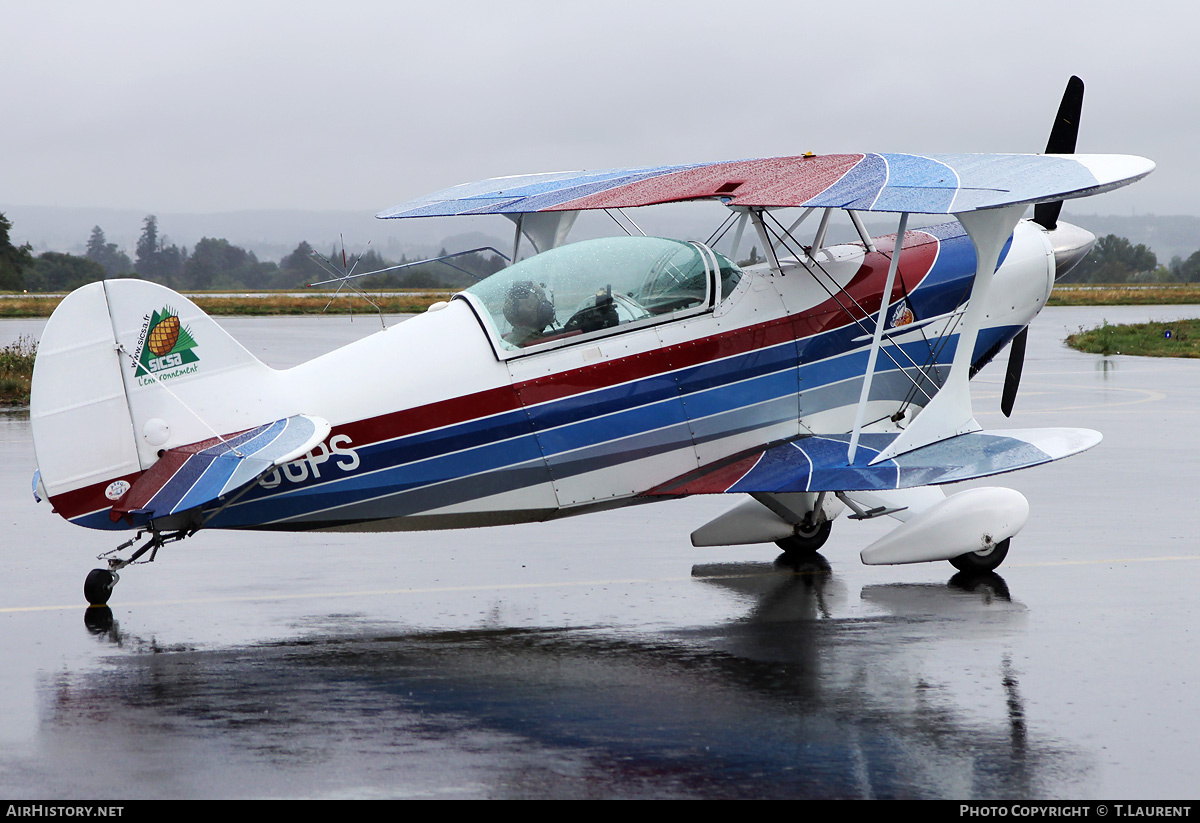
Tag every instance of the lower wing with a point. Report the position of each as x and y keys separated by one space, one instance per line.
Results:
x=817 y=463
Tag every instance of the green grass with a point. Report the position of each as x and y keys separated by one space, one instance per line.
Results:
x=316 y=303
x=1142 y=339
x=16 y=370
x=262 y=304
x=1069 y=294
x=1132 y=294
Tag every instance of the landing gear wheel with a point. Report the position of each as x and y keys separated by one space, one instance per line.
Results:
x=982 y=561
x=98 y=586
x=806 y=540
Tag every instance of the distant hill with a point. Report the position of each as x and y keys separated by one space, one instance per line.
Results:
x=1166 y=235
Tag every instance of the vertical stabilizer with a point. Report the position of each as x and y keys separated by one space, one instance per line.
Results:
x=127 y=370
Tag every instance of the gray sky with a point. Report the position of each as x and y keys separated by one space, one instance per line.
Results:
x=220 y=106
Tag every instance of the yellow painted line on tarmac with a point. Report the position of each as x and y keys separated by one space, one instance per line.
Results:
x=1147 y=396
x=259 y=598
x=1105 y=561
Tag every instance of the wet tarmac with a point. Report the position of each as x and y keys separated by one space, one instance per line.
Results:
x=603 y=656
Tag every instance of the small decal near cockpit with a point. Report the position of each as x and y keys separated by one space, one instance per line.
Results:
x=903 y=315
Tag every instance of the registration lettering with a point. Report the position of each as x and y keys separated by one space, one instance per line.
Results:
x=336 y=452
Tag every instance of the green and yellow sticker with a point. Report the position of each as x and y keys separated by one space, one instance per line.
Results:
x=166 y=344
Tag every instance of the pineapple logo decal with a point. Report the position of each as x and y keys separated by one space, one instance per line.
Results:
x=166 y=345
x=164 y=335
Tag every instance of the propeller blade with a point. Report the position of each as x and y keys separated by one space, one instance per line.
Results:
x=1063 y=136
x=1012 y=376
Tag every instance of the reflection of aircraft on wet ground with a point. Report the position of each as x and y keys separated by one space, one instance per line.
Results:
x=815 y=709
x=609 y=372
x=805 y=588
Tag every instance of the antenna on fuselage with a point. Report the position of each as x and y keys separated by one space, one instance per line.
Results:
x=343 y=279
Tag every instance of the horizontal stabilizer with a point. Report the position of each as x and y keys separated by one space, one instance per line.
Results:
x=189 y=476
x=819 y=463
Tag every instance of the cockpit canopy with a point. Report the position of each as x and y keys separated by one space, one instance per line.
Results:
x=596 y=287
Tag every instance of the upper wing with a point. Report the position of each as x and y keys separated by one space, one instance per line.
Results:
x=919 y=184
x=189 y=476
x=819 y=463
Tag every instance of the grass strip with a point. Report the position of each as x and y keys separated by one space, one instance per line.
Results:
x=257 y=305
x=1093 y=294
x=16 y=371
x=1176 y=338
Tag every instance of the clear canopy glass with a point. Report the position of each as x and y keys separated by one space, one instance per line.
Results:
x=587 y=288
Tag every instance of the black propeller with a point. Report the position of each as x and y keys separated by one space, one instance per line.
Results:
x=1012 y=375
x=1062 y=141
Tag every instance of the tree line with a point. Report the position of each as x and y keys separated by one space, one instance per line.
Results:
x=217 y=264
x=1116 y=260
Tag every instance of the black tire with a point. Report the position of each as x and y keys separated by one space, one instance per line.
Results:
x=982 y=561
x=98 y=586
x=806 y=541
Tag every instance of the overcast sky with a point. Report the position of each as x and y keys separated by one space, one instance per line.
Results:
x=216 y=106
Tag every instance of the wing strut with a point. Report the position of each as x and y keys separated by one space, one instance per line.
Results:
x=737 y=234
x=765 y=239
x=862 y=231
x=949 y=412
x=819 y=238
x=884 y=305
x=519 y=219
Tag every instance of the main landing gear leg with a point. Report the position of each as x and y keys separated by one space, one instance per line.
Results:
x=98 y=585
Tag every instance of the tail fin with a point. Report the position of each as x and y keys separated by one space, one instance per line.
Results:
x=127 y=369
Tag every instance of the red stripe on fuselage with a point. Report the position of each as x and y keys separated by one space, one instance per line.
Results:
x=918 y=254
x=432 y=416
x=89 y=498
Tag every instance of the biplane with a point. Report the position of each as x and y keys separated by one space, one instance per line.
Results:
x=825 y=378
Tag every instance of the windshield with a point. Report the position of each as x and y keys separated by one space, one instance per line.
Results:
x=600 y=284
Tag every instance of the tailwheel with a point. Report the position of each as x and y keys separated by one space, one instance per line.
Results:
x=985 y=560
x=99 y=585
x=807 y=539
